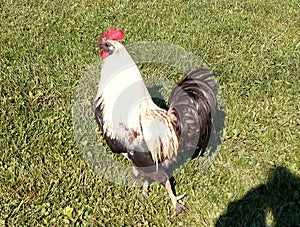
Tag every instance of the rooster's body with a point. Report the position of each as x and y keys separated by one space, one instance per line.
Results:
x=154 y=139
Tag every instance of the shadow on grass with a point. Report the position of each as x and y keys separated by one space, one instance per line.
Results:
x=278 y=199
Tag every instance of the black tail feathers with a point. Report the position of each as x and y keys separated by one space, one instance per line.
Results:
x=201 y=82
x=193 y=104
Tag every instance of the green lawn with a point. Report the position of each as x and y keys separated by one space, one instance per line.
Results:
x=46 y=48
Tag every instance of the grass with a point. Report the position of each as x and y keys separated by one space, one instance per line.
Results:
x=47 y=46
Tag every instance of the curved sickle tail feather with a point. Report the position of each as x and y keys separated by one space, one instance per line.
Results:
x=193 y=105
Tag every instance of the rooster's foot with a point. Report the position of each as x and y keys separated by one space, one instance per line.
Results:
x=178 y=207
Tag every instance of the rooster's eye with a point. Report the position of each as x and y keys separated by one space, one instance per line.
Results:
x=107 y=47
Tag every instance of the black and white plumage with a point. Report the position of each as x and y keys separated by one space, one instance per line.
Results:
x=154 y=139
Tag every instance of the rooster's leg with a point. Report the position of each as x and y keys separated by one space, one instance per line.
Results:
x=178 y=208
x=145 y=187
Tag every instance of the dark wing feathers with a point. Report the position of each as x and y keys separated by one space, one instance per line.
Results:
x=114 y=144
x=98 y=113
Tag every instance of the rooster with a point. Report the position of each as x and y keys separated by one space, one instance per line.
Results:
x=156 y=140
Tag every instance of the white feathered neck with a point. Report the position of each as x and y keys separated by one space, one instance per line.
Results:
x=121 y=90
x=127 y=107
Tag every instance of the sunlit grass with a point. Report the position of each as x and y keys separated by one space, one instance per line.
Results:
x=46 y=47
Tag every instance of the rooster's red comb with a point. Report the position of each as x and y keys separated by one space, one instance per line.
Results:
x=112 y=35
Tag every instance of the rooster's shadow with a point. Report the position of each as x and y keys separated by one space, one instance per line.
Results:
x=279 y=199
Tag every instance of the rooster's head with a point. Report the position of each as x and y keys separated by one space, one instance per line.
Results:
x=108 y=42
